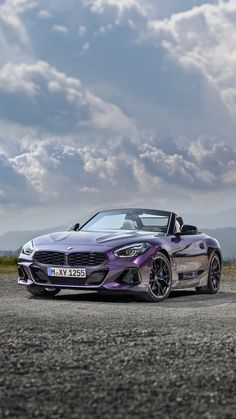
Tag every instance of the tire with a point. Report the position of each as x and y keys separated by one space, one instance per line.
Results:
x=160 y=282
x=214 y=276
x=38 y=292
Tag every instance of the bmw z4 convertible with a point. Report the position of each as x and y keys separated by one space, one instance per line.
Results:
x=144 y=252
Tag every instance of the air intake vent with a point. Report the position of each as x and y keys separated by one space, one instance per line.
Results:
x=86 y=259
x=50 y=258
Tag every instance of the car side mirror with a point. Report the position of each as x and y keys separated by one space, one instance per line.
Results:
x=74 y=227
x=189 y=229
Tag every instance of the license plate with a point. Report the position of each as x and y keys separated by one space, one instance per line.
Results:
x=67 y=272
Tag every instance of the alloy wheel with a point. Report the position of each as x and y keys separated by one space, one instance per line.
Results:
x=160 y=278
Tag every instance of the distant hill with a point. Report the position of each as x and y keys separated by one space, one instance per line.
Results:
x=221 y=219
x=227 y=239
x=10 y=243
x=10 y=253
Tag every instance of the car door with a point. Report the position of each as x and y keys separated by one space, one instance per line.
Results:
x=190 y=259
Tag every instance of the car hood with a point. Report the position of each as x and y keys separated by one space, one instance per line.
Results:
x=84 y=238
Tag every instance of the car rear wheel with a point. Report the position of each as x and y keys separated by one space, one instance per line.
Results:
x=37 y=291
x=160 y=281
x=214 y=277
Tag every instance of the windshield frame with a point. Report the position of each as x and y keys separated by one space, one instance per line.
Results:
x=171 y=218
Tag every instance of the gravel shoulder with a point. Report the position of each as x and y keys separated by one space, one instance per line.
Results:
x=85 y=356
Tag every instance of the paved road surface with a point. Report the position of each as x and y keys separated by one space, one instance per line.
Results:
x=83 y=356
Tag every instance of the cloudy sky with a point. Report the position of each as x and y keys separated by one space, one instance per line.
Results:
x=111 y=103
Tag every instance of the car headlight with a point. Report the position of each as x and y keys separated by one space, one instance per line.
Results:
x=28 y=248
x=132 y=250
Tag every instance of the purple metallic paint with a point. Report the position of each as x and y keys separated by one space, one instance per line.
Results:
x=98 y=242
x=186 y=254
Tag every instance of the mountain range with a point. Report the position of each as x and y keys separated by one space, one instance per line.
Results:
x=217 y=220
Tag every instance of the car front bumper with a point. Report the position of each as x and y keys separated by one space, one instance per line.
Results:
x=119 y=276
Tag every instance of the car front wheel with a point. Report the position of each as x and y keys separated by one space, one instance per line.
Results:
x=37 y=291
x=160 y=281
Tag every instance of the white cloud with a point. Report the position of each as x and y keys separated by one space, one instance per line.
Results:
x=60 y=28
x=122 y=6
x=175 y=168
x=57 y=170
x=44 y=14
x=15 y=189
x=26 y=78
x=106 y=115
x=229 y=178
x=204 y=38
x=82 y=30
x=118 y=91
x=88 y=189
x=40 y=81
x=10 y=12
x=86 y=46
x=13 y=79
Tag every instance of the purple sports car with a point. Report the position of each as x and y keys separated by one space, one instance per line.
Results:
x=141 y=251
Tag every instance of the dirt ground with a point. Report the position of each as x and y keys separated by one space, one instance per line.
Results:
x=81 y=355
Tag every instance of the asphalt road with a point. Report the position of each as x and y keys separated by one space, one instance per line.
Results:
x=83 y=356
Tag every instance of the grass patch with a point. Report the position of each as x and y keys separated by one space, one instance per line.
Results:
x=229 y=271
x=8 y=260
x=8 y=264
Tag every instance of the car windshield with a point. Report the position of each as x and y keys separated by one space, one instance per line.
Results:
x=131 y=219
